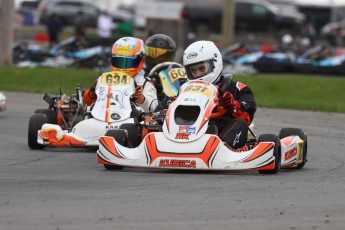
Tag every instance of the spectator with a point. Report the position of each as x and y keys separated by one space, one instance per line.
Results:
x=79 y=30
x=331 y=33
x=54 y=28
x=309 y=32
x=79 y=25
x=105 y=26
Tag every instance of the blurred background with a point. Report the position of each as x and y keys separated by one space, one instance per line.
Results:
x=254 y=35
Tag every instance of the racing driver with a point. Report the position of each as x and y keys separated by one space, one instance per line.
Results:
x=203 y=61
x=128 y=57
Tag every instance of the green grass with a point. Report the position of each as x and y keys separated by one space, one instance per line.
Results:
x=302 y=92
x=44 y=80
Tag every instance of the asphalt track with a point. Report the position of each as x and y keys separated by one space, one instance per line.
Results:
x=66 y=188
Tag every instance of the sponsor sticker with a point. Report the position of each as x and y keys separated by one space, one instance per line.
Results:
x=191 y=130
x=192 y=55
x=183 y=129
x=115 y=116
x=183 y=136
x=111 y=127
x=168 y=163
x=291 y=153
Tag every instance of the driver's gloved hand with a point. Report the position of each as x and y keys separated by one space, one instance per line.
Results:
x=228 y=101
x=90 y=96
x=91 y=93
x=138 y=95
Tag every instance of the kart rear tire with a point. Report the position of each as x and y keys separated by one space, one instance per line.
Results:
x=285 y=132
x=51 y=115
x=276 y=152
x=134 y=139
x=121 y=138
x=35 y=123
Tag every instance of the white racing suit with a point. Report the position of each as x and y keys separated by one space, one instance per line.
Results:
x=149 y=92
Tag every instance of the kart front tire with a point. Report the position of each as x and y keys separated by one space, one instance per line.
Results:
x=285 y=132
x=35 y=123
x=51 y=115
x=276 y=152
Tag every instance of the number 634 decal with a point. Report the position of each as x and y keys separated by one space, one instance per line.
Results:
x=115 y=78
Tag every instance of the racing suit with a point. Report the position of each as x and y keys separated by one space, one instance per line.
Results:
x=149 y=91
x=233 y=126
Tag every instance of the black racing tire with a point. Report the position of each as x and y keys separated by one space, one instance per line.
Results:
x=285 y=132
x=121 y=138
x=51 y=115
x=134 y=135
x=35 y=123
x=276 y=152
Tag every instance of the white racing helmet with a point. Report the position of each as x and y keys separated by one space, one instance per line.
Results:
x=203 y=52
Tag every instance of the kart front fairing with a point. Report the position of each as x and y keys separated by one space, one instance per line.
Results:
x=188 y=116
x=111 y=109
x=207 y=152
x=113 y=97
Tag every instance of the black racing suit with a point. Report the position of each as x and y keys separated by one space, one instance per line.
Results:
x=233 y=126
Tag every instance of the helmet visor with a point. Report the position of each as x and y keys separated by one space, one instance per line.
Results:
x=155 y=55
x=199 y=69
x=126 y=62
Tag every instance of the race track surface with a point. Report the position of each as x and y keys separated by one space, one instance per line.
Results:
x=66 y=188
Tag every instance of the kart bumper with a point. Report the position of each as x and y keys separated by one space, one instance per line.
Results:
x=205 y=153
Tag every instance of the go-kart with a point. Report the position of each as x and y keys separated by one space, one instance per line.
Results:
x=321 y=59
x=262 y=61
x=68 y=122
x=2 y=102
x=168 y=78
x=70 y=52
x=183 y=139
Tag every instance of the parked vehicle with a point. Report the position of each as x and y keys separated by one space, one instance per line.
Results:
x=321 y=59
x=262 y=61
x=67 y=10
x=70 y=52
x=250 y=15
x=27 y=11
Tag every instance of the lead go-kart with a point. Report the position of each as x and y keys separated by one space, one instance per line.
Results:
x=181 y=138
x=69 y=122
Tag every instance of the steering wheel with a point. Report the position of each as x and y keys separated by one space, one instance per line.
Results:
x=163 y=65
x=218 y=112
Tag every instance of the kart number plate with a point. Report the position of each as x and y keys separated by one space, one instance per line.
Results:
x=115 y=78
